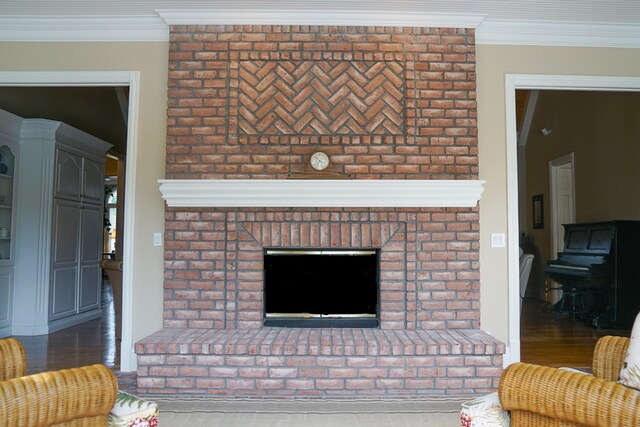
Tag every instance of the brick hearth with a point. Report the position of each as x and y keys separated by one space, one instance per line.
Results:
x=319 y=362
x=254 y=102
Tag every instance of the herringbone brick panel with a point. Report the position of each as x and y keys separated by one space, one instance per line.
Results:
x=321 y=98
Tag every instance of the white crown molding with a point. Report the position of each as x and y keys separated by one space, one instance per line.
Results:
x=64 y=134
x=156 y=27
x=319 y=17
x=577 y=34
x=320 y=193
x=82 y=28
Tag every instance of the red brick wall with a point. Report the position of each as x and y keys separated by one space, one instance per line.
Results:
x=385 y=103
x=438 y=138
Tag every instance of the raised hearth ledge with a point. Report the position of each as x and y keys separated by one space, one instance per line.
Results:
x=327 y=362
x=320 y=193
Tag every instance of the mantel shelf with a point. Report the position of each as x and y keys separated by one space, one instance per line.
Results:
x=320 y=193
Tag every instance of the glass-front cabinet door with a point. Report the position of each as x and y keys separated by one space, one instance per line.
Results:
x=7 y=163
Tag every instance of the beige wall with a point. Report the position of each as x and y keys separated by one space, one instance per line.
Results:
x=602 y=130
x=151 y=60
x=494 y=62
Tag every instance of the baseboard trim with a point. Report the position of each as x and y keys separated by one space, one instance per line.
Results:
x=67 y=322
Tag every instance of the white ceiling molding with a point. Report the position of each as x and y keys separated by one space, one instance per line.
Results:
x=496 y=22
x=578 y=34
x=82 y=28
x=320 y=193
x=319 y=17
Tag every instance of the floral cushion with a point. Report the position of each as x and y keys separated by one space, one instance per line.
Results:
x=484 y=411
x=132 y=411
x=630 y=372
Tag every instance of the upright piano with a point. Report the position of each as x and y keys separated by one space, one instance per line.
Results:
x=602 y=260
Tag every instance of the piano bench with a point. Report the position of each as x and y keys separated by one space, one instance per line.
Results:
x=577 y=298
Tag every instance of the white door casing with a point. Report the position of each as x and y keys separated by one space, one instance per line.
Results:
x=536 y=82
x=562 y=195
x=131 y=79
x=563 y=207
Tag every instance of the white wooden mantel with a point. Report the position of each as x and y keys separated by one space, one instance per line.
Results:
x=320 y=193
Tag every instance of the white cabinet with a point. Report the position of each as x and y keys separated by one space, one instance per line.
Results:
x=77 y=226
x=91 y=225
x=75 y=264
x=68 y=175
x=10 y=128
x=79 y=178
x=6 y=284
x=7 y=160
x=93 y=181
x=64 y=259
x=59 y=233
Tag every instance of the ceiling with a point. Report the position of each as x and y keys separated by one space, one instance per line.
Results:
x=612 y=11
x=99 y=111
x=612 y=23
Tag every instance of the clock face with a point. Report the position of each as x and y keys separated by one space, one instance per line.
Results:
x=319 y=161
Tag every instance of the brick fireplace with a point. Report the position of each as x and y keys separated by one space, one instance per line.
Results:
x=254 y=103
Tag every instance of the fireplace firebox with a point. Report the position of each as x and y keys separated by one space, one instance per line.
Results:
x=321 y=288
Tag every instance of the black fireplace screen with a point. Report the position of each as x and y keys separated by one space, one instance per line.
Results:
x=321 y=288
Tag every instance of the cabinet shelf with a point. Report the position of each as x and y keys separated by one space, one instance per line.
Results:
x=7 y=214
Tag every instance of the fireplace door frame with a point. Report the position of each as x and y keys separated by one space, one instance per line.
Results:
x=315 y=320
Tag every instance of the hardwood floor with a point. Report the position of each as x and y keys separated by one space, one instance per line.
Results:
x=85 y=344
x=553 y=339
x=547 y=339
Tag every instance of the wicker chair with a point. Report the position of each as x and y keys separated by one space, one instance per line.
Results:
x=541 y=396
x=69 y=397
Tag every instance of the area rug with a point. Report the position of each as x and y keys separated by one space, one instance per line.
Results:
x=436 y=412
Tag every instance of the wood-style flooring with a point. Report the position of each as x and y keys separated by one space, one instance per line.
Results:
x=553 y=339
x=547 y=339
x=85 y=344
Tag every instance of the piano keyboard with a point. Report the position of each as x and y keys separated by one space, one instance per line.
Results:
x=568 y=267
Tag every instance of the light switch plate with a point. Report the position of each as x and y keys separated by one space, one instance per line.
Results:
x=498 y=240
x=157 y=239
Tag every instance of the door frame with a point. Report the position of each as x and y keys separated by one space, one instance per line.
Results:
x=554 y=165
x=536 y=82
x=105 y=78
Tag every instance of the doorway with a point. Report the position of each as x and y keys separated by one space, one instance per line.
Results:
x=129 y=80
x=536 y=82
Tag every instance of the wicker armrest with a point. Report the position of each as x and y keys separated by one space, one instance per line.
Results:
x=13 y=359
x=608 y=357
x=57 y=397
x=568 y=396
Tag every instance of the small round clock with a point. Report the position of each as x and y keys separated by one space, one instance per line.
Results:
x=319 y=161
